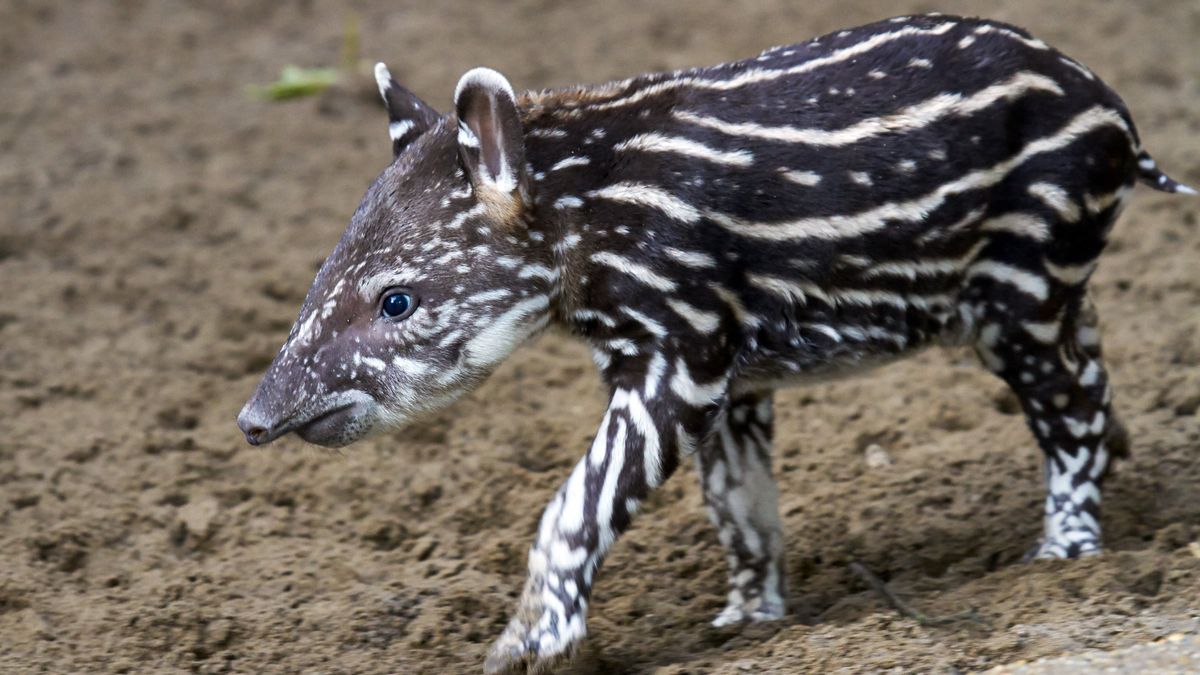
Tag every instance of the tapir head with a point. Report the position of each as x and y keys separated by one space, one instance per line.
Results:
x=434 y=282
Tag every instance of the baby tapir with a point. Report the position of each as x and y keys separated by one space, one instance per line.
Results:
x=714 y=234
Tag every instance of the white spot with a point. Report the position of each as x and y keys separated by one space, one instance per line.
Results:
x=805 y=178
x=568 y=202
x=861 y=177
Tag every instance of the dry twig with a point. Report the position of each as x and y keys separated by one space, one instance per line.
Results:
x=907 y=610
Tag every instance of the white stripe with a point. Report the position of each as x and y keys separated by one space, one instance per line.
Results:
x=1035 y=43
x=373 y=362
x=1023 y=280
x=579 y=160
x=693 y=259
x=705 y=322
x=1056 y=198
x=1078 y=66
x=568 y=202
x=397 y=129
x=651 y=455
x=639 y=272
x=502 y=335
x=735 y=305
x=656 y=142
x=907 y=119
x=537 y=270
x=654 y=327
x=547 y=133
x=593 y=315
x=792 y=290
x=489 y=296
x=1021 y=224
x=757 y=75
x=574 y=495
x=466 y=137
x=410 y=366
x=690 y=391
x=1070 y=274
x=800 y=292
x=1046 y=332
x=608 y=490
x=649 y=195
x=383 y=79
x=918 y=268
x=1096 y=204
x=654 y=373
x=916 y=210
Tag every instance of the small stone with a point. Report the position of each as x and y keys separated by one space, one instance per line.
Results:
x=1194 y=548
x=877 y=457
x=197 y=517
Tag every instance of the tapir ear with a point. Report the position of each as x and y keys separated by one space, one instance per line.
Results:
x=490 y=140
x=408 y=116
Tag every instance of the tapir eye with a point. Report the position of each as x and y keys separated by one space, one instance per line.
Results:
x=398 y=304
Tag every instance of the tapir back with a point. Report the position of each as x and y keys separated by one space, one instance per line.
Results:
x=845 y=190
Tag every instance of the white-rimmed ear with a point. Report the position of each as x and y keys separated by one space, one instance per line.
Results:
x=491 y=142
x=408 y=116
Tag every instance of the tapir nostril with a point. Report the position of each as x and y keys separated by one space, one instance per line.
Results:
x=254 y=435
x=256 y=429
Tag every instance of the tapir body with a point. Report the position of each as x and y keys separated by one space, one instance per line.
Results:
x=714 y=234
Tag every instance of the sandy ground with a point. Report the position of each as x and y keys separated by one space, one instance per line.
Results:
x=160 y=228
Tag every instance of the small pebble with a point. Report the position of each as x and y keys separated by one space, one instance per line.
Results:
x=877 y=457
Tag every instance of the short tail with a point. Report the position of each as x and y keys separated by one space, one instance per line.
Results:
x=1149 y=173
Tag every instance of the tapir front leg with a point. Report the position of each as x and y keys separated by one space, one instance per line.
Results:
x=653 y=416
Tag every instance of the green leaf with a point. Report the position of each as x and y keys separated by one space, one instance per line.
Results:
x=295 y=81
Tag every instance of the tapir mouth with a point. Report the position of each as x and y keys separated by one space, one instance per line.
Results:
x=333 y=427
x=323 y=428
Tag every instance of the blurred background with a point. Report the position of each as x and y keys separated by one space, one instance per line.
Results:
x=162 y=220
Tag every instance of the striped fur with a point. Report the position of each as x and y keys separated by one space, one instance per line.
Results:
x=719 y=232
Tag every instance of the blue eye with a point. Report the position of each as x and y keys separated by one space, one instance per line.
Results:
x=398 y=305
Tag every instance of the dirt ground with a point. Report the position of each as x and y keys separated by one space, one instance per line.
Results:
x=160 y=228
